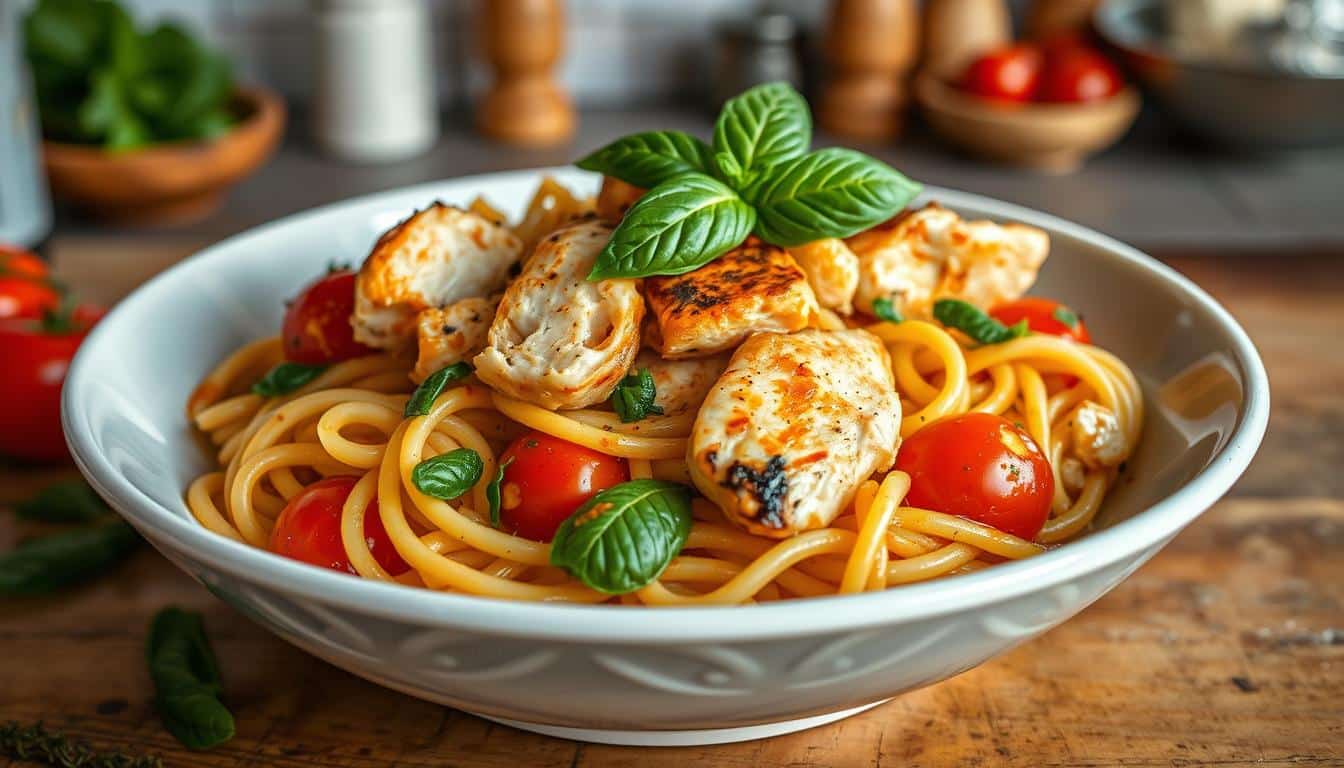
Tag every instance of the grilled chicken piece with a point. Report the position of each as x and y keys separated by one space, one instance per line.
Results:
x=454 y=334
x=932 y=254
x=1095 y=437
x=681 y=384
x=832 y=270
x=436 y=257
x=615 y=198
x=558 y=340
x=792 y=428
x=754 y=287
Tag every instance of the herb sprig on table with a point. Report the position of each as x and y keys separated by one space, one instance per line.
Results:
x=35 y=744
x=757 y=176
x=101 y=81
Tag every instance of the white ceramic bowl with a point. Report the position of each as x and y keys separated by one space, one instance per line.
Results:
x=665 y=675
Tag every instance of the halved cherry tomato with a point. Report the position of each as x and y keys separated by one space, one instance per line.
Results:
x=317 y=326
x=1074 y=72
x=1007 y=74
x=36 y=355
x=547 y=478
x=16 y=262
x=26 y=297
x=981 y=467
x=309 y=529
x=1043 y=316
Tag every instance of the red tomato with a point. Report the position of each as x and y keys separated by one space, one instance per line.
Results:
x=1043 y=316
x=547 y=478
x=317 y=326
x=1077 y=73
x=35 y=362
x=1007 y=74
x=17 y=262
x=309 y=529
x=26 y=297
x=981 y=467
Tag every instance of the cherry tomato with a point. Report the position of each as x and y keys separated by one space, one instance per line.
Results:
x=1007 y=74
x=317 y=326
x=1076 y=73
x=35 y=361
x=981 y=467
x=547 y=478
x=309 y=529
x=16 y=262
x=1043 y=316
x=26 y=297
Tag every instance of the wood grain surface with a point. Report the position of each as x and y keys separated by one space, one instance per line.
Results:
x=1226 y=649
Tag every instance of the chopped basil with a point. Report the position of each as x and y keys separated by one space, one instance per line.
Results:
x=448 y=475
x=187 y=680
x=492 y=491
x=883 y=309
x=48 y=563
x=422 y=399
x=622 y=538
x=634 y=397
x=285 y=378
x=66 y=502
x=1066 y=316
x=972 y=321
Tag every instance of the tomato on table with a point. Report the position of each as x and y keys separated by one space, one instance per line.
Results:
x=317 y=328
x=1007 y=74
x=546 y=479
x=36 y=355
x=309 y=529
x=1043 y=316
x=981 y=467
x=1075 y=73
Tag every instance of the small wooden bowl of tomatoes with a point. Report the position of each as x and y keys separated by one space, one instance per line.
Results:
x=1046 y=106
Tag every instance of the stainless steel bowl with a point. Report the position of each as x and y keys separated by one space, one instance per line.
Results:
x=1249 y=103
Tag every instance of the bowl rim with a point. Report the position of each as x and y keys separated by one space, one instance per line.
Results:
x=1105 y=21
x=1146 y=530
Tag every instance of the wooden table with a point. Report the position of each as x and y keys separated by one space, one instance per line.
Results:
x=1227 y=648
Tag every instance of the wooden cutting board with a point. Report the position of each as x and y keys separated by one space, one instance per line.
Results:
x=1226 y=649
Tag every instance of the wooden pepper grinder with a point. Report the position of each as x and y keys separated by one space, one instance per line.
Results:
x=523 y=40
x=870 y=47
x=957 y=31
x=1048 y=18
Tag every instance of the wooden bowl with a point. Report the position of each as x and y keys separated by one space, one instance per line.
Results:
x=1054 y=138
x=167 y=183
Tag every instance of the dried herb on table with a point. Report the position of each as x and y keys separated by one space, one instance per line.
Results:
x=36 y=744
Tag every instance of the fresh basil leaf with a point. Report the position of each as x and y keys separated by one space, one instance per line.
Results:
x=68 y=502
x=64 y=33
x=422 y=399
x=492 y=492
x=285 y=378
x=633 y=399
x=187 y=680
x=883 y=309
x=972 y=321
x=833 y=192
x=622 y=538
x=48 y=563
x=648 y=159
x=760 y=127
x=448 y=475
x=674 y=228
x=1066 y=316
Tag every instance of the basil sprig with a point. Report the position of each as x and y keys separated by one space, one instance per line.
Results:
x=972 y=321
x=187 y=680
x=633 y=398
x=884 y=309
x=1066 y=316
x=448 y=475
x=493 y=491
x=285 y=378
x=757 y=177
x=648 y=159
x=422 y=399
x=48 y=563
x=679 y=225
x=622 y=538
x=65 y=502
